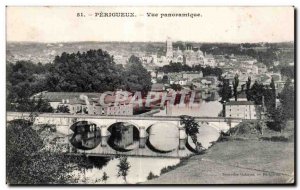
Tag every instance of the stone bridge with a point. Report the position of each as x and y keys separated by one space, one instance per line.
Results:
x=63 y=122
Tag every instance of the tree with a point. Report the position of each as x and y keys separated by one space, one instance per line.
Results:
x=23 y=80
x=288 y=71
x=104 y=177
x=257 y=92
x=26 y=163
x=235 y=84
x=124 y=167
x=248 y=85
x=165 y=79
x=91 y=71
x=270 y=97
x=176 y=87
x=192 y=129
x=151 y=176
x=62 y=109
x=272 y=84
x=192 y=86
x=225 y=90
x=137 y=78
x=287 y=98
x=279 y=119
x=42 y=105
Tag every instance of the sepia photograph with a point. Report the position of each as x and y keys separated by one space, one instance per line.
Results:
x=144 y=95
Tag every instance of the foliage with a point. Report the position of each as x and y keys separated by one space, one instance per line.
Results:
x=267 y=56
x=248 y=85
x=137 y=78
x=178 y=67
x=167 y=169
x=287 y=99
x=279 y=119
x=191 y=128
x=104 y=177
x=151 y=176
x=26 y=164
x=24 y=79
x=123 y=167
x=288 y=71
x=91 y=71
x=62 y=109
x=235 y=84
x=256 y=93
x=176 y=87
x=165 y=79
x=225 y=90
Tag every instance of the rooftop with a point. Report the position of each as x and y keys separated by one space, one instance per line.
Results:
x=59 y=96
x=157 y=87
x=237 y=103
x=77 y=97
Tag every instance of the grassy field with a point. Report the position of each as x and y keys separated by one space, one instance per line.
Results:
x=269 y=158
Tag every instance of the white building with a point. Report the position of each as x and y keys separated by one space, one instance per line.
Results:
x=241 y=109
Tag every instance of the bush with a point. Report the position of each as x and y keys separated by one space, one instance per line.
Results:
x=275 y=139
x=151 y=176
x=167 y=169
x=27 y=164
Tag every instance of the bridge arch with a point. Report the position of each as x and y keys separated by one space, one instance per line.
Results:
x=124 y=136
x=163 y=137
x=85 y=135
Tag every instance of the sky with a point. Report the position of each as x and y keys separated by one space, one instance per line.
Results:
x=216 y=24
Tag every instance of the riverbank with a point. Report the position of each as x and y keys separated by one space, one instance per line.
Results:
x=267 y=158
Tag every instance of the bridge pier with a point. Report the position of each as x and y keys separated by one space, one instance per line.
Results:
x=143 y=137
x=182 y=138
x=104 y=135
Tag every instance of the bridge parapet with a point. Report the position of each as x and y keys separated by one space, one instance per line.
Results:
x=142 y=123
x=121 y=118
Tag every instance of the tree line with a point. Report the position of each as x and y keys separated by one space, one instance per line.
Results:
x=91 y=71
x=264 y=95
x=175 y=67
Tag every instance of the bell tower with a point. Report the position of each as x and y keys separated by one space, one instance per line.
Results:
x=169 y=54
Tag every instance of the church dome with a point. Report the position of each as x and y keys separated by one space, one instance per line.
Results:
x=199 y=53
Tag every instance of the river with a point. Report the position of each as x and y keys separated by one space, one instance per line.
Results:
x=140 y=167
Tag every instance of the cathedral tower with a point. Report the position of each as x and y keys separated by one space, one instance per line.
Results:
x=169 y=54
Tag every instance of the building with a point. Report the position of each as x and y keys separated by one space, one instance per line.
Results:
x=125 y=132
x=190 y=56
x=209 y=61
x=262 y=68
x=87 y=103
x=57 y=98
x=205 y=82
x=192 y=75
x=241 y=109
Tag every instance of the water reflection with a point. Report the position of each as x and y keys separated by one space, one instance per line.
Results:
x=138 y=172
x=86 y=135
x=124 y=136
x=95 y=167
x=163 y=137
x=206 y=136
